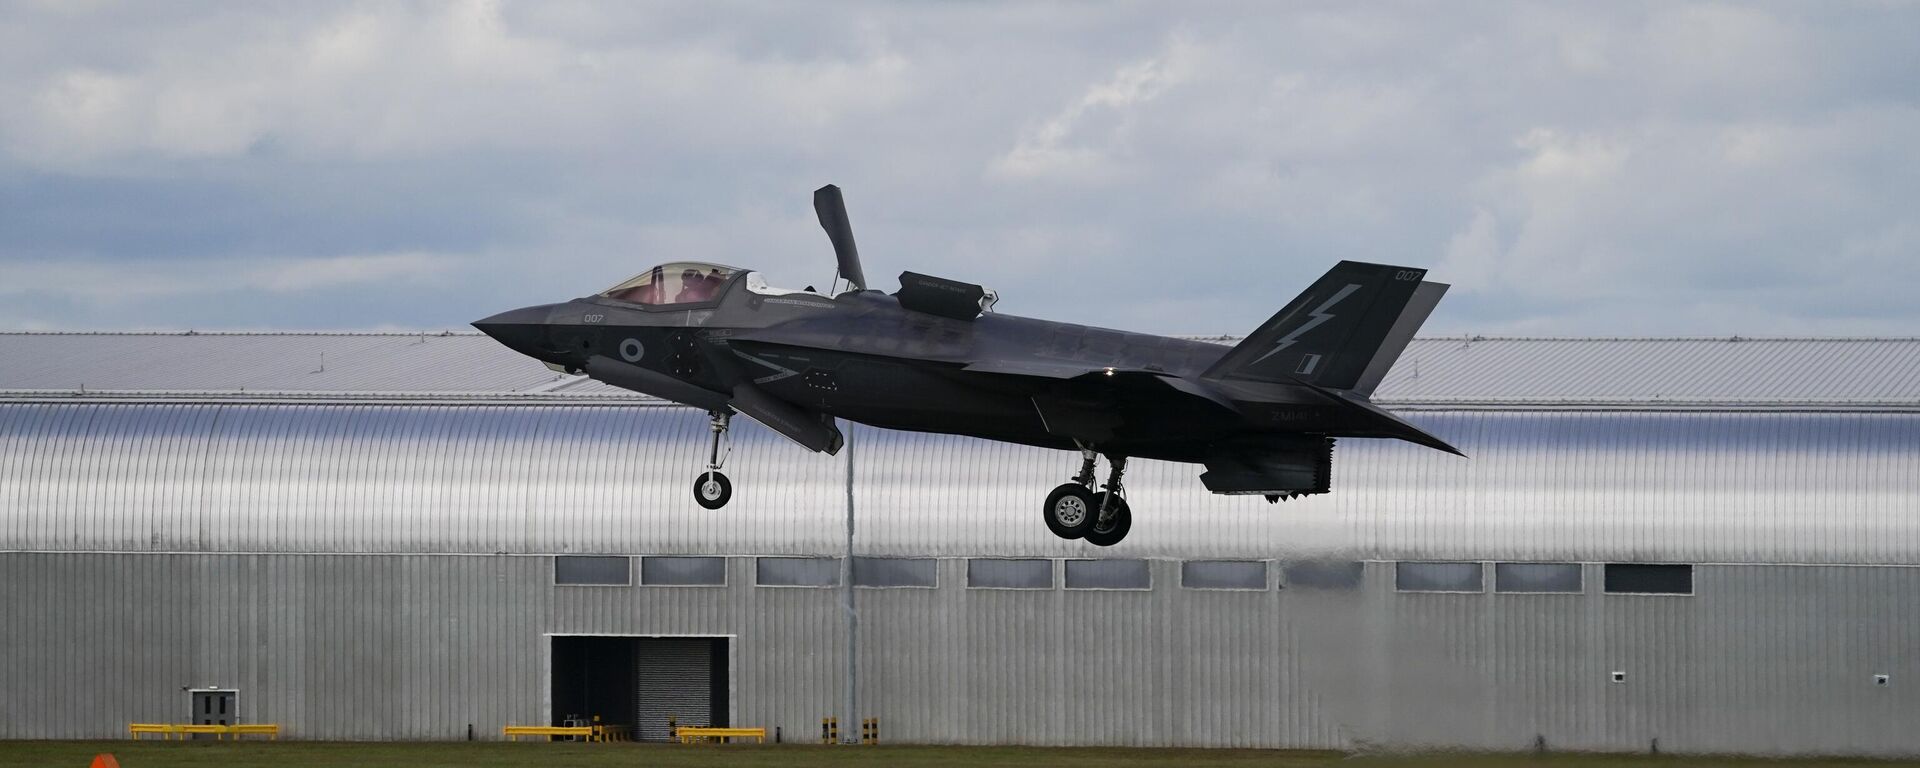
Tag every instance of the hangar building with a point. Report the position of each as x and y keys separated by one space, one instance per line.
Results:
x=1699 y=544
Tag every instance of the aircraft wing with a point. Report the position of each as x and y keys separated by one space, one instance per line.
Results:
x=1045 y=369
x=815 y=431
x=1137 y=378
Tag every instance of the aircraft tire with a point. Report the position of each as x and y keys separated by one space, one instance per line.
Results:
x=714 y=496
x=1069 y=511
x=1117 y=530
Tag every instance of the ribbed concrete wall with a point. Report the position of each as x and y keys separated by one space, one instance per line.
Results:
x=1763 y=658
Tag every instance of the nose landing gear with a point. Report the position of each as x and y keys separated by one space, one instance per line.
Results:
x=1075 y=511
x=711 y=489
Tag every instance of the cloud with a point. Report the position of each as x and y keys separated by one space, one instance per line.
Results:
x=1066 y=144
x=1610 y=168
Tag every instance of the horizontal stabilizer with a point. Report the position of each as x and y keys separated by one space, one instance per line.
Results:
x=1382 y=423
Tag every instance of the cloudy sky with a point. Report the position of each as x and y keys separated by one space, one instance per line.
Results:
x=1593 y=169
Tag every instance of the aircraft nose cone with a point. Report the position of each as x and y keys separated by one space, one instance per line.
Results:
x=523 y=330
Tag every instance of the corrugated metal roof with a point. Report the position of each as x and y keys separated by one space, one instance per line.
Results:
x=1443 y=372
x=1654 y=371
x=267 y=363
x=1758 y=487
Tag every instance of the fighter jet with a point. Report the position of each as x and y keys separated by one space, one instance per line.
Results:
x=1261 y=417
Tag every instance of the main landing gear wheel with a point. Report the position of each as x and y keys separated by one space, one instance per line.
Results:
x=712 y=490
x=1119 y=521
x=1070 y=511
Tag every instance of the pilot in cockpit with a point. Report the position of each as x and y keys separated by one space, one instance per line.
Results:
x=694 y=287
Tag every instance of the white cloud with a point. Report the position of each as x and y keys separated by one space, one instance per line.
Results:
x=388 y=80
x=1066 y=146
x=1556 y=159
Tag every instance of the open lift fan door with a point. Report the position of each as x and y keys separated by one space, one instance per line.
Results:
x=675 y=681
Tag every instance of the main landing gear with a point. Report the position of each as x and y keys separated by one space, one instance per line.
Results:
x=712 y=489
x=1076 y=511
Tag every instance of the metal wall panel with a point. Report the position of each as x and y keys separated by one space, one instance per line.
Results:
x=1763 y=658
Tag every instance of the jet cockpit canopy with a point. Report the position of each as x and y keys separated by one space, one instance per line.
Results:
x=682 y=282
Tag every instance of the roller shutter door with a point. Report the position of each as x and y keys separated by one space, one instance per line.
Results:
x=675 y=680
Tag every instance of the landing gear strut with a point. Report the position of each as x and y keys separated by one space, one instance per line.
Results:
x=1114 y=518
x=1075 y=511
x=712 y=489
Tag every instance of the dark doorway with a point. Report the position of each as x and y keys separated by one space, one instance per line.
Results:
x=646 y=683
x=593 y=676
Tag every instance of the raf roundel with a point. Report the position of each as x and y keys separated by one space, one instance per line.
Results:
x=631 y=351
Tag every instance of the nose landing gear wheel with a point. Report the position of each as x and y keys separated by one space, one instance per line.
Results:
x=1070 y=511
x=1121 y=521
x=712 y=490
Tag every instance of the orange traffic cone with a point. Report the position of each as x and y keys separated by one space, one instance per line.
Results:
x=104 y=760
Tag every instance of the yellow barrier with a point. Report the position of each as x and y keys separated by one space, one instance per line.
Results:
x=610 y=733
x=690 y=734
x=591 y=732
x=183 y=730
x=517 y=731
x=269 y=730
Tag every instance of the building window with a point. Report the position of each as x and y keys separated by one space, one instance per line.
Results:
x=1108 y=574
x=1324 y=574
x=1537 y=577
x=995 y=573
x=894 y=572
x=592 y=570
x=1437 y=577
x=1223 y=574
x=1649 y=579
x=797 y=571
x=683 y=571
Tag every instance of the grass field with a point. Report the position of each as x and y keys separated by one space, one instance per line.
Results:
x=294 y=754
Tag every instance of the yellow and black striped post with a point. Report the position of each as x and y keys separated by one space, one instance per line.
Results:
x=870 y=731
x=829 y=730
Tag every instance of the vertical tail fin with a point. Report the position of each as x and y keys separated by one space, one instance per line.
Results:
x=1343 y=333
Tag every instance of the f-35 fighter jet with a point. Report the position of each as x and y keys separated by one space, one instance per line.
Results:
x=933 y=357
